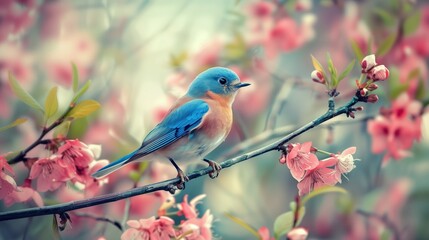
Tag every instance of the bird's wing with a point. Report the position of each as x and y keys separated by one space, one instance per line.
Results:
x=178 y=123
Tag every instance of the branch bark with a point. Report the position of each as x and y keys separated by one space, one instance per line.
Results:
x=169 y=185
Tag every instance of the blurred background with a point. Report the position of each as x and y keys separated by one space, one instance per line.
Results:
x=141 y=56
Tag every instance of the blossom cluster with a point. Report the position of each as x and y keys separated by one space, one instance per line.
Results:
x=312 y=173
x=396 y=128
x=72 y=161
x=191 y=226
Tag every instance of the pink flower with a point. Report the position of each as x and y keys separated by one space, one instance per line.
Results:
x=297 y=234
x=368 y=63
x=23 y=194
x=262 y=9
x=379 y=73
x=317 y=77
x=199 y=228
x=189 y=209
x=49 y=174
x=394 y=136
x=299 y=159
x=318 y=177
x=146 y=229
x=79 y=48
x=76 y=154
x=287 y=36
x=345 y=162
x=93 y=185
x=7 y=185
x=4 y=166
x=396 y=130
x=264 y=233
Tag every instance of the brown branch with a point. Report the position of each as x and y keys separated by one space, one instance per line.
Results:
x=170 y=185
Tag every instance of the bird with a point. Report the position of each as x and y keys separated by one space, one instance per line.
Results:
x=194 y=126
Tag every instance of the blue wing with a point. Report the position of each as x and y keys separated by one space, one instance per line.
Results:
x=178 y=123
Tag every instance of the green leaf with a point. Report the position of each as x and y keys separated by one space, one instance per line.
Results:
x=283 y=224
x=81 y=91
x=243 y=224
x=386 y=45
x=83 y=109
x=75 y=78
x=51 y=103
x=385 y=16
x=13 y=124
x=412 y=22
x=346 y=72
x=316 y=64
x=323 y=190
x=22 y=94
x=332 y=70
x=357 y=51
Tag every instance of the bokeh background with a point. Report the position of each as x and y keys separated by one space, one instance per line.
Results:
x=141 y=56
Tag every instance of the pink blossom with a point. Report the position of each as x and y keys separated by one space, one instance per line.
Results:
x=285 y=36
x=409 y=64
x=93 y=185
x=264 y=233
x=24 y=194
x=198 y=228
x=394 y=136
x=189 y=209
x=300 y=159
x=317 y=77
x=298 y=233
x=17 y=61
x=379 y=73
x=318 y=177
x=151 y=228
x=49 y=174
x=79 y=48
x=74 y=153
x=368 y=63
x=396 y=130
x=14 y=20
x=262 y=9
x=7 y=185
x=345 y=162
x=4 y=166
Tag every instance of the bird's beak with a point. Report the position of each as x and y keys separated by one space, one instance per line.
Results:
x=240 y=85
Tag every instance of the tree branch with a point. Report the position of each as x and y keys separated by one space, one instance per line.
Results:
x=170 y=185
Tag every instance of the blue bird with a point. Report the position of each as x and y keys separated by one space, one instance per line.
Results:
x=196 y=124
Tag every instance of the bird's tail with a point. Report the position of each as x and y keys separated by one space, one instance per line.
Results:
x=113 y=166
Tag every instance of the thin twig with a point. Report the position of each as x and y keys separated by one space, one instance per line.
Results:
x=170 y=185
x=21 y=156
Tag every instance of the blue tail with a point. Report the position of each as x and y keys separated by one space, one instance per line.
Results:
x=113 y=166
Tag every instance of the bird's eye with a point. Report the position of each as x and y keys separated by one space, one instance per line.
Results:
x=222 y=80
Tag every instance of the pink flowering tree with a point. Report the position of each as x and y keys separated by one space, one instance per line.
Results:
x=333 y=130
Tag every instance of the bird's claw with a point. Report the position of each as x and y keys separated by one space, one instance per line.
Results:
x=216 y=168
x=183 y=178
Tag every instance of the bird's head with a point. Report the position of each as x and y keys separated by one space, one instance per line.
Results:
x=220 y=81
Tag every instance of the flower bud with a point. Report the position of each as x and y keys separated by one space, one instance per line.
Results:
x=379 y=73
x=359 y=108
x=317 y=76
x=372 y=87
x=363 y=92
x=282 y=159
x=368 y=62
x=298 y=233
x=372 y=98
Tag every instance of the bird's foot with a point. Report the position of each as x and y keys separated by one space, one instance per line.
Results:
x=216 y=168
x=183 y=178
